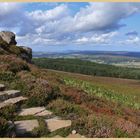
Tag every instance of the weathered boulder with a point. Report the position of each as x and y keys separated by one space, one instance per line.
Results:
x=8 y=37
x=26 y=53
x=8 y=46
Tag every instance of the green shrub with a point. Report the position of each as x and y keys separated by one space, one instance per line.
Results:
x=16 y=67
x=8 y=112
x=3 y=127
x=14 y=49
x=42 y=93
x=94 y=126
x=65 y=109
x=7 y=76
x=64 y=132
x=20 y=85
x=120 y=133
x=42 y=130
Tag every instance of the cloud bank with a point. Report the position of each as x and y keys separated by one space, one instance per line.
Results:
x=96 y=23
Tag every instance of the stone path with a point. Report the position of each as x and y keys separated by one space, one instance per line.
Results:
x=4 y=95
x=8 y=97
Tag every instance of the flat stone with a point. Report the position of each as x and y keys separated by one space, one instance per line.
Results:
x=56 y=123
x=25 y=126
x=12 y=101
x=12 y=92
x=9 y=94
x=36 y=111
x=2 y=87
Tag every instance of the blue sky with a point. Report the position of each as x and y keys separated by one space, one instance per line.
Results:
x=53 y=27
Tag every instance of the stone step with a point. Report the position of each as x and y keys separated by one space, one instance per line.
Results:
x=36 y=111
x=56 y=123
x=12 y=101
x=2 y=87
x=5 y=95
x=25 y=126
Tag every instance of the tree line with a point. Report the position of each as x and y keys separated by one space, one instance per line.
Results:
x=87 y=67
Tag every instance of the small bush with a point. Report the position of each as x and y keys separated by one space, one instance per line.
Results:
x=94 y=126
x=120 y=133
x=3 y=127
x=42 y=93
x=20 y=85
x=42 y=130
x=64 y=108
x=7 y=76
x=8 y=112
x=64 y=132
x=13 y=63
x=16 y=67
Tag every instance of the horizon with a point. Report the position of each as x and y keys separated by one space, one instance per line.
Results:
x=59 y=27
x=68 y=51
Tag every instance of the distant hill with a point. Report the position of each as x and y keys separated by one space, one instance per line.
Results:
x=114 y=53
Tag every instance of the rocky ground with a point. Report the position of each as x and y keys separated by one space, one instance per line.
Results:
x=23 y=127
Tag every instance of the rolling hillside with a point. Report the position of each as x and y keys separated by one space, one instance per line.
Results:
x=81 y=105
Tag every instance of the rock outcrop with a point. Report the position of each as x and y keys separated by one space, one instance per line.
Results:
x=8 y=46
x=8 y=37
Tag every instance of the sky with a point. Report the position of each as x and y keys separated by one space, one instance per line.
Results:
x=56 y=27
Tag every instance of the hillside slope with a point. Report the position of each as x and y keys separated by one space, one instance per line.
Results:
x=95 y=111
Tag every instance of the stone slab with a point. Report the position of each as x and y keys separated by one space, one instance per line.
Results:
x=25 y=126
x=12 y=101
x=36 y=111
x=12 y=92
x=5 y=95
x=56 y=123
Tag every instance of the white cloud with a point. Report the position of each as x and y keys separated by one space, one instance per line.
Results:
x=96 y=23
x=53 y=14
x=8 y=8
x=133 y=40
x=105 y=38
x=102 y=16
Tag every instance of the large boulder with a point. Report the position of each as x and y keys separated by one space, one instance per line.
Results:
x=8 y=46
x=26 y=54
x=8 y=37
